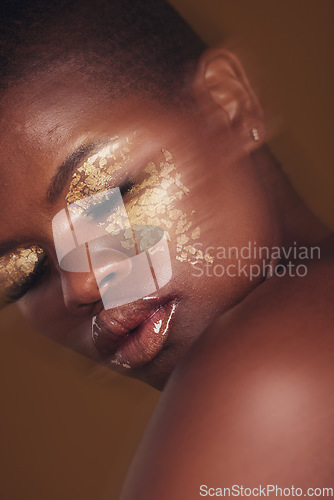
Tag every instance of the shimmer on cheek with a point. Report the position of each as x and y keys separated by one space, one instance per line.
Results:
x=16 y=269
x=156 y=202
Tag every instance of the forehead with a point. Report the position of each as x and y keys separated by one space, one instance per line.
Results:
x=51 y=105
x=53 y=109
x=41 y=121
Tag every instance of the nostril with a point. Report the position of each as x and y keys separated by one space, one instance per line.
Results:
x=80 y=292
x=111 y=275
x=109 y=266
x=107 y=279
x=83 y=305
x=89 y=308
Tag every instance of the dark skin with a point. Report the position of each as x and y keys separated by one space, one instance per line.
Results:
x=254 y=338
x=252 y=402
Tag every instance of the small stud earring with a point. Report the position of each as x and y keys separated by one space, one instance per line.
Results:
x=255 y=134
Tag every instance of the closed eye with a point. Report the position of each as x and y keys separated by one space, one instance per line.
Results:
x=105 y=206
x=17 y=291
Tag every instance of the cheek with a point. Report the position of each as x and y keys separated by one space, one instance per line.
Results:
x=45 y=310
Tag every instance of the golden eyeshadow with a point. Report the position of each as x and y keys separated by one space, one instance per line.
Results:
x=154 y=201
x=98 y=172
x=16 y=268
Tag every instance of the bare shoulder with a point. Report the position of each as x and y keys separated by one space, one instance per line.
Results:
x=253 y=401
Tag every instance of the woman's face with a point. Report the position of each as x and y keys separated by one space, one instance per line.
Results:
x=178 y=172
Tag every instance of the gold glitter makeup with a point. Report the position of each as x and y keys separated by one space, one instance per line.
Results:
x=98 y=172
x=16 y=269
x=152 y=202
x=159 y=194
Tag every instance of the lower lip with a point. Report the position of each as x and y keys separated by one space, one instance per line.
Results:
x=144 y=343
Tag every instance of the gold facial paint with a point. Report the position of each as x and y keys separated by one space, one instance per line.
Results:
x=152 y=202
x=16 y=268
x=98 y=172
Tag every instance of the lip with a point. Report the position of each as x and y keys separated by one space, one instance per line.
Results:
x=130 y=337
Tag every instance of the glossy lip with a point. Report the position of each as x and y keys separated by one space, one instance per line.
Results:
x=131 y=337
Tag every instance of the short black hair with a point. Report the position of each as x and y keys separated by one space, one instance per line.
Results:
x=146 y=43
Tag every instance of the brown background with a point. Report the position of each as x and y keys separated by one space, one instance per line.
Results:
x=68 y=428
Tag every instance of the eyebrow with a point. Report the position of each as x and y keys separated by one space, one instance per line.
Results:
x=67 y=168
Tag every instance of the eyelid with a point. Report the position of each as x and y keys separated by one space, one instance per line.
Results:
x=98 y=173
x=18 y=290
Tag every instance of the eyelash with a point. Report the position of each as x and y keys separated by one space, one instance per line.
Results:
x=36 y=276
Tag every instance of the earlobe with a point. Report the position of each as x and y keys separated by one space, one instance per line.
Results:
x=223 y=88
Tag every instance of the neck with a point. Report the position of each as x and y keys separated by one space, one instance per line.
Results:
x=297 y=222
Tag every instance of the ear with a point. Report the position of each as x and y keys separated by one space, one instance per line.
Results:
x=225 y=95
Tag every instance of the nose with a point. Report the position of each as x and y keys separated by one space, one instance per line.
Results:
x=81 y=293
x=107 y=266
x=87 y=261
